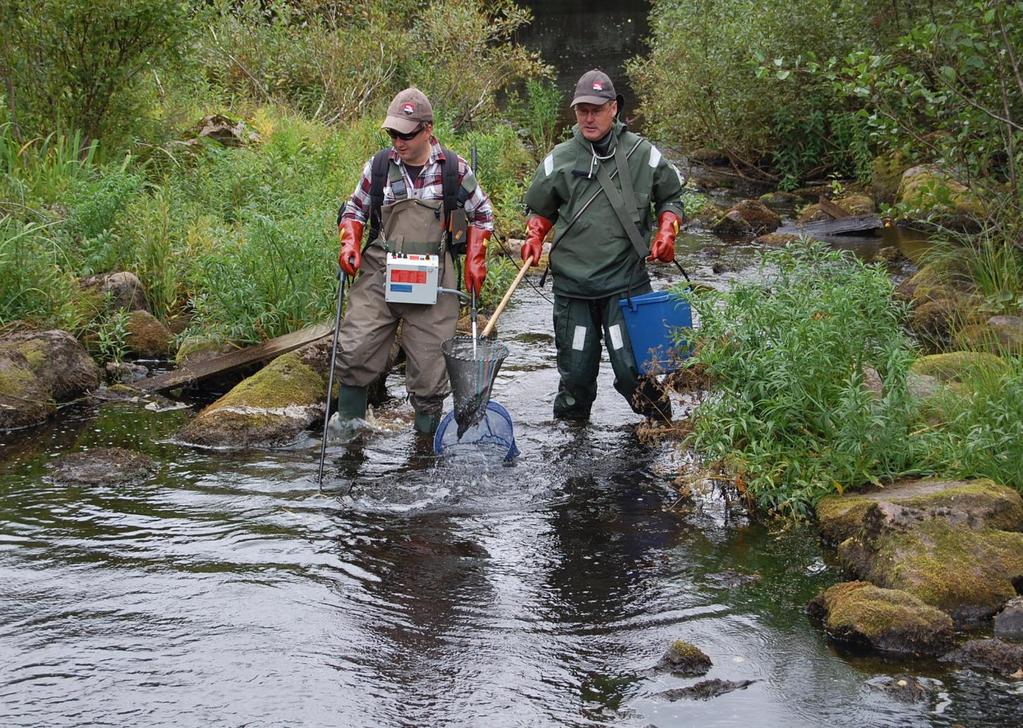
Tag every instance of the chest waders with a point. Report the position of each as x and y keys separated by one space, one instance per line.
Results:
x=409 y=226
x=580 y=324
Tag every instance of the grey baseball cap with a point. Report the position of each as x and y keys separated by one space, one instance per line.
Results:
x=409 y=109
x=594 y=87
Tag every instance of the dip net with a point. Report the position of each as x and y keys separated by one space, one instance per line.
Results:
x=472 y=366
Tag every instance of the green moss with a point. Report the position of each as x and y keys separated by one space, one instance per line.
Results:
x=284 y=382
x=687 y=649
x=957 y=569
x=956 y=365
x=874 y=612
x=17 y=382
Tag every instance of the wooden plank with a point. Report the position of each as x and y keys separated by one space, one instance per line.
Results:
x=260 y=352
x=830 y=208
x=851 y=224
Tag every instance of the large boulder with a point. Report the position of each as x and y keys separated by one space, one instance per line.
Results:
x=998 y=335
x=270 y=408
x=928 y=189
x=969 y=574
x=975 y=503
x=956 y=545
x=123 y=290
x=886 y=620
x=748 y=218
x=38 y=369
x=147 y=337
x=957 y=366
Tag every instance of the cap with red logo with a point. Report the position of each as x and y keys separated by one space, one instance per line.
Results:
x=408 y=111
x=594 y=87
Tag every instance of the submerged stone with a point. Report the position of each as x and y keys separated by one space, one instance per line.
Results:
x=990 y=654
x=905 y=688
x=103 y=466
x=886 y=620
x=706 y=689
x=683 y=658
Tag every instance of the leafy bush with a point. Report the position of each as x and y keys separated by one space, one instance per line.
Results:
x=702 y=83
x=83 y=64
x=790 y=413
x=338 y=63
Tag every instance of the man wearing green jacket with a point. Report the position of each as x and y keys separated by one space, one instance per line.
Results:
x=601 y=192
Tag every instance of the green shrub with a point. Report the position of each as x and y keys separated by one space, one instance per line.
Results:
x=702 y=85
x=790 y=413
x=84 y=64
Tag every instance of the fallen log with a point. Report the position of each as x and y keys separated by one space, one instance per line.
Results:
x=841 y=226
x=260 y=352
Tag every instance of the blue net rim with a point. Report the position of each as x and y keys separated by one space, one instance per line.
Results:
x=494 y=407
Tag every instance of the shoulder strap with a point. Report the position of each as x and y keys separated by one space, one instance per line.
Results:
x=624 y=208
x=378 y=176
x=449 y=181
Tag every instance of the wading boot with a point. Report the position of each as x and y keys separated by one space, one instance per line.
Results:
x=351 y=403
x=426 y=424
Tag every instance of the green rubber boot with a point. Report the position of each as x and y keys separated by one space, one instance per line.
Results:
x=426 y=424
x=351 y=403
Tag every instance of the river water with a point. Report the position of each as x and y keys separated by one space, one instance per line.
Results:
x=226 y=590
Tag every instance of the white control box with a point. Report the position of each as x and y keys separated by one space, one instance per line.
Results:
x=411 y=278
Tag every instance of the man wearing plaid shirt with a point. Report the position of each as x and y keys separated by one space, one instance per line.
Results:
x=410 y=220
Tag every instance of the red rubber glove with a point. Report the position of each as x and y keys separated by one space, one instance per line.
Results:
x=476 y=259
x=350 y=257
x=537 y=228
x=663 y=248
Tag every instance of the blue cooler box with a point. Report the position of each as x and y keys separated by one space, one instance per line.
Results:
x=650 y=319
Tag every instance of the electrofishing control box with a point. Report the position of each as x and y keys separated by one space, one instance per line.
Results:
x=411 y=278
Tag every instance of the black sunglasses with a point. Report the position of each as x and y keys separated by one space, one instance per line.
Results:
x=404 y=137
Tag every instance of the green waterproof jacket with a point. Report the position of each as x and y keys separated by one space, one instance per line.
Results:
x=596 y=258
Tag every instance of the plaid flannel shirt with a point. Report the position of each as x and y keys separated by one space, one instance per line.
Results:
x=427 y=186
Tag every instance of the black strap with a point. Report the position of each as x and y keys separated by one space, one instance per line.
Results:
x=378 y=177
x=454 y=196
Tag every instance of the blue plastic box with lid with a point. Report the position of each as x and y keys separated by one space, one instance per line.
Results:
x=650 y=320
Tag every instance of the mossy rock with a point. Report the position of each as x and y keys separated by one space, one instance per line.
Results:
x=856 y=204
x=885 y=175
x=928 y=189
x=886 y=620
x=997 y=335
x=195 y=349
x=268 y=409
x=103 y=466
x=938 y=279
x=812 y=213
x=969 y=574
x=979 y=503
x=147 y=337
x=957 y=366
x=38 y=369
x=994 y=655
x=777 y=240
x=686 y=659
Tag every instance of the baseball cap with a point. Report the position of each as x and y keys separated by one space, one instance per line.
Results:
x=409 y=109
x=594 y=87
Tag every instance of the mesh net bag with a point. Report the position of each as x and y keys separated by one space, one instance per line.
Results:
x=472 y=370
x=494 y=429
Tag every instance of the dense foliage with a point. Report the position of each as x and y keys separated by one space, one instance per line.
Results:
x=790 y=412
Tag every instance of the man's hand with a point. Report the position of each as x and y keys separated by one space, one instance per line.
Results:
x=350 y=257
x=537 y=228
x=476 y=259
x=663 y=248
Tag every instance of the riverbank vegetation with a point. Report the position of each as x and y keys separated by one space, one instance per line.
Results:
x=103 y=166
